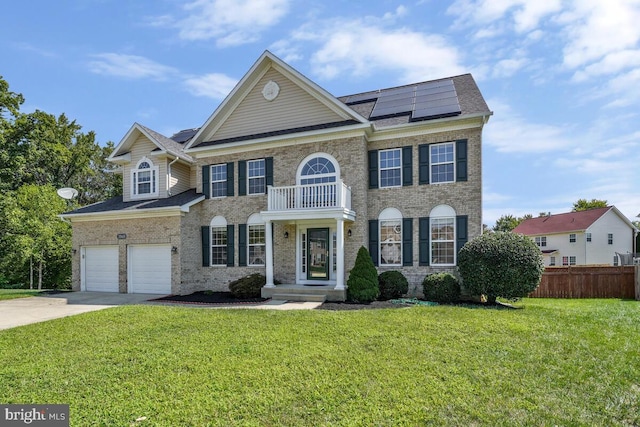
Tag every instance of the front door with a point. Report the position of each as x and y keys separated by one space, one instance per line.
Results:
x=318 y=254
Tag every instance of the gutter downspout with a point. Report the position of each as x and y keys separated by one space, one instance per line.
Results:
x=169 y=176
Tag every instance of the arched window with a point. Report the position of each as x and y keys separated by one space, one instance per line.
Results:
x=390 y=232
x=218 y=241
x=256 y=240
x=144 y=179
x=318 y=168
x=442 y=220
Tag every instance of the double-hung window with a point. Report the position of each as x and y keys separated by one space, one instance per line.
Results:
x=541 y=241
x=391 y=241
x=219 y=180
x=610 y=238
x=256 y=176
x=256 y=244
x=443 y=241
x=391 y=168
x=588 y=236
x=442 y=162
x=572 y=238
x=218 y=245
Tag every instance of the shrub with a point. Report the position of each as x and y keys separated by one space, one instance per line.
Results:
x=392 y=284
x=501 y=264
x=362 y=285
x=441 y=287
x=248 y=287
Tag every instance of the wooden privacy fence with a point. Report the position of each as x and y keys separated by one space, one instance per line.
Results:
x=589 y=282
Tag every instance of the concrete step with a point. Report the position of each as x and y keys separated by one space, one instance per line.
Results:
x=299 y=297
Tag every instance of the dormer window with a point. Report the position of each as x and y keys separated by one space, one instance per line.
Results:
x=144 y=179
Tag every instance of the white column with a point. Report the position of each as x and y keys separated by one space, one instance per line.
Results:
x=268 y=240
x=340 y=255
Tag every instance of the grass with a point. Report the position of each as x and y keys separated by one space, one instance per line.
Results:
x=555 y=362
x=17 y=293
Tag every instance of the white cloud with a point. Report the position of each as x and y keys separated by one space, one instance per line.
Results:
x=511 y=133
x=129 y=66
x=215 y=85
x=595 y=29
x=524 y=14
x=508 y=67
x=230 y=22
x=361 y=47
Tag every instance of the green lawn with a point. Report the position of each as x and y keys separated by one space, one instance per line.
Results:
x=17 y=293
x=555 y=362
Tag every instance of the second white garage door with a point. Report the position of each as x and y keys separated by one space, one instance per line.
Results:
x=149 y=269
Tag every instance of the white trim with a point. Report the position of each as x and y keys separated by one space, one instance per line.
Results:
x=452 y=162
x=132 y=214
x=442 y=212
x=328 y=156
x=280 y=140
x=154 y=181
x=399 y=167
x=265 y=62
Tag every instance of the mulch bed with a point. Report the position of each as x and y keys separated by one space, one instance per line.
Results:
x=208 y=297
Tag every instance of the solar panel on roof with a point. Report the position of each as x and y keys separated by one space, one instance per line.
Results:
x=184 y=135
x=394 y=101
x=436 y=99
x=360 y=98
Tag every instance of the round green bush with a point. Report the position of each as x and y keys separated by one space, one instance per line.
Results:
x=362 y=285
x=501 y=264
x=248 y=286
x=441 y=287
x=392 y=284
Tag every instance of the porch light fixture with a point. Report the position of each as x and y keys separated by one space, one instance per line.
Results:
x=73 y=251
x=286 y=234
x=174 y=249
x=349 y=232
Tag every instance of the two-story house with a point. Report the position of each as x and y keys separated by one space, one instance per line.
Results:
x=591 y=237
x=287 y=180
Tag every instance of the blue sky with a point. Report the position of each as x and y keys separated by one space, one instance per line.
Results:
x=562 y=77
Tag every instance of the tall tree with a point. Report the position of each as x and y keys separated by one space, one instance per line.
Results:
x=509 y=222
x=40 y=152
x=35 y=237
x=584 y=204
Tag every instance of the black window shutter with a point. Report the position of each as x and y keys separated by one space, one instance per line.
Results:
x=230 y=179
x=242 y=245
x=407 y=241
x=423 y=167
x=230 y=247
x=373 y=240
x=423 y=236
x=206 y=245
x=407 y=166
x=242 y=178
x=206 y=181
x=373 y=169
x=268 y=168
x=461 y=160
x=462 y=234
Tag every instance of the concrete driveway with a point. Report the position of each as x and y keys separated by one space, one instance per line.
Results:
x=24 y=311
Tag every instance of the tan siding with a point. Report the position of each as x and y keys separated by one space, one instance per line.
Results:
x=143 y=147
x=180 y=177
x=292 y=108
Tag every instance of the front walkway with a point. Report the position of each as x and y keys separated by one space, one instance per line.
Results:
x=25 y=311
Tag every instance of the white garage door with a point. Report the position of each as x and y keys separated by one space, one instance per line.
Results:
x=150 y=269
x=100 y=269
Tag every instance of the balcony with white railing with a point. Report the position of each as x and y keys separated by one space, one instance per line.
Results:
x=325 y=200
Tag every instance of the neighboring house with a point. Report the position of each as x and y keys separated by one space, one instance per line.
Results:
x=591 y=237
x=286 y=180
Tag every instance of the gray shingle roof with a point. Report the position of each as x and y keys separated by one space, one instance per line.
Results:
x=168 y=144
x=117 y=204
